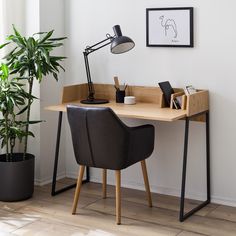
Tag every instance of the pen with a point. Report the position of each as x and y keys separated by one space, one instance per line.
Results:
x=123 y=87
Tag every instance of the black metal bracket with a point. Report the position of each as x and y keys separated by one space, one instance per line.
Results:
x=54 y=180
x=183 y=216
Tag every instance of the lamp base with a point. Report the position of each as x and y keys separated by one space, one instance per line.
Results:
x=94 y=101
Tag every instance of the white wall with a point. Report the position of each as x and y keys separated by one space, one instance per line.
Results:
x=31 y=26
x=51 y=17
x=210 y=65
x=39 y=18
x=11 y=12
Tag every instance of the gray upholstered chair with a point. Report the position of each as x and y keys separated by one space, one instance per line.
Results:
x=102 y=140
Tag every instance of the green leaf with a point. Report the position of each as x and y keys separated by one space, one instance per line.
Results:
x=31 y=44
x=16 y=32
x=51 y=46
x=5 y=70
x=39 y=73
x=39 y=33
x=33 y=122
x=48 y=35
x=55 y=65
x=3 y=45
x=57 y=45
x=10 y=53
x=57 y=39
x=62 y=67
x=17 y=38
x=30 y=134
x=22 y=110
x=55 y=76
x=54 y=58
x=45 y=54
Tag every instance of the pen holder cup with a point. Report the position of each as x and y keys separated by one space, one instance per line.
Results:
x=120 y=95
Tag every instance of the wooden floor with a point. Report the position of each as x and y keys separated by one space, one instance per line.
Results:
x=45 y=215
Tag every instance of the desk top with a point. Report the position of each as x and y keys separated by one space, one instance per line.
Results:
x=146 y=111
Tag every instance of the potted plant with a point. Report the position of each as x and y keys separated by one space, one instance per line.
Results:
x=29 y=60
x=16 y=172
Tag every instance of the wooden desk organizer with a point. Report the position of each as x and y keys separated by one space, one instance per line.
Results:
x=193 y=104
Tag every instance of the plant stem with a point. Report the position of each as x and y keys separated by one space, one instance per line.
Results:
x=12 y=139
x=30 y=81
x=6 y=129
x=12 y=143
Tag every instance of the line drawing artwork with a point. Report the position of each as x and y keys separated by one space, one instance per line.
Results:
x=169 y=25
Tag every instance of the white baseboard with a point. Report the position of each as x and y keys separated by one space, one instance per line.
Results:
x=72 y=175
x=48 y=180
x=154 y=189
x=223 y=201
x=172 y=192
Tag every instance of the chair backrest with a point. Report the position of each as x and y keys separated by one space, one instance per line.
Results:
x=100 y=138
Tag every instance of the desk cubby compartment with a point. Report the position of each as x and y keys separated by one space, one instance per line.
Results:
x=197 y=102
x=192 y=103
x=181 y=97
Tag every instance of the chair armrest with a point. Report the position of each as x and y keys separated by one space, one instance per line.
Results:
x=141 y=143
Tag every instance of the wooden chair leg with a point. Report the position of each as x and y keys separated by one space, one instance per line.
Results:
x=78 y=188
x=104 y=183
x=146 y=182
x=118 y=198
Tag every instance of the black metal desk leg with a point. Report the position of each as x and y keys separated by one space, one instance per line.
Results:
x=182 y=215
x=87 y=175
x=208 y=156
x=54 y=180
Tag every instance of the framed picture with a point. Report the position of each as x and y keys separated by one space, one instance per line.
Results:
x=169 y=27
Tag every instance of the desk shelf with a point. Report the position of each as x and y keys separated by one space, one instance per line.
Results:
x=150 y=101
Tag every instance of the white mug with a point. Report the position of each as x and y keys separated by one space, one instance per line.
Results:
x=129 y=100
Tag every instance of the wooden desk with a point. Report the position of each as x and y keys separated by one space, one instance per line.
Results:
x=150 y=106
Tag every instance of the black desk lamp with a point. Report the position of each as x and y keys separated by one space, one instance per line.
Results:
x=119 y=44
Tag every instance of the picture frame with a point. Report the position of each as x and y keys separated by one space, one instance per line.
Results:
x=169 y=27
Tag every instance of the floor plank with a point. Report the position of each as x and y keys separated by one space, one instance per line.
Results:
x=187 y=233
x=92 y=221
x=49 y=227
x=224 y=213
x=47 y=215
x=159 y=200
x=198 y=224
x=10 y=221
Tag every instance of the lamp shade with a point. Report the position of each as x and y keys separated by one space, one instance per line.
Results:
x=120 y=43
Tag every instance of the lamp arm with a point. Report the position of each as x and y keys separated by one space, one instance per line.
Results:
x=90 y=83
x=90 y=49
x=86 y=52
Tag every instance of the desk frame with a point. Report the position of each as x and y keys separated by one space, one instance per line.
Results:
x=54 y=192
x=183 y=216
